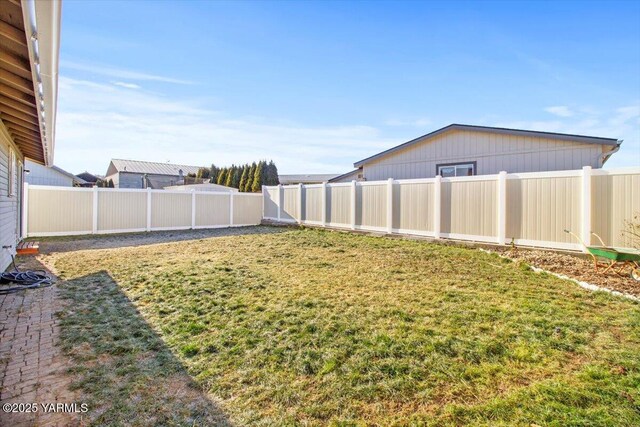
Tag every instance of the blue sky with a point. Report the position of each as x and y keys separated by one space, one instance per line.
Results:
x=317 y=86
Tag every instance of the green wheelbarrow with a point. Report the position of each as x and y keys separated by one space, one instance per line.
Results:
x=612 y=259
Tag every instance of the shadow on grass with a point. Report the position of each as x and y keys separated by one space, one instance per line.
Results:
x=123 y=369
x=122 y=240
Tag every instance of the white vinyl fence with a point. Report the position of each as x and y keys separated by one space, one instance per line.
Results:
x=530 y=209
x=59 y=211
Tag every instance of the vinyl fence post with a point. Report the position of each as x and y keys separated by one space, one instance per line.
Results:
x=231 y=209
x=193 y=209
x=94 y=222
x=502 y=208
x=264 y=199
x=279 y=201
x=300 y=203
x=353 y=205
x=148 y=209
x=25 y=209
x=586 y=205
x=437 y=210
x=390 y=205
x=324 y=204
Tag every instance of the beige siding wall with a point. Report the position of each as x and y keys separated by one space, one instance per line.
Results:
x=271 y=202
x=615 y=201
x=371 y=205
x=121 y=210
x=492 y=152
x=60 y=211
x=170 y=210
x=469 y=207
x=290 y=203
x=542 y=208
x=247 y=209
x=312 y=204
x=212 y=210
x=339 y=204
x=413 y=206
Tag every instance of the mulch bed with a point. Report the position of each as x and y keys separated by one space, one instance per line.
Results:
x=575 y=266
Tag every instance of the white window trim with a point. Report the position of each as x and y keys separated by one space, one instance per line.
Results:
x=455 y=167
x=11 y=181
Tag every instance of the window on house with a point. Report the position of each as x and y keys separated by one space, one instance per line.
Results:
x=458 y=169
x=12 y=170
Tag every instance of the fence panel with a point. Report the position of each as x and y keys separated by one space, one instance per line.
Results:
x=121 y=211
x=290 y=203
x=413 y=207
x=469 y=208
x=339 y=205
x=170 y=210
x=371 y=206
x=212 y=210
x=54 y=211
x=615 y=201
x=271 y=203
x=247 y=209
x=540 y=209
x=312 y=204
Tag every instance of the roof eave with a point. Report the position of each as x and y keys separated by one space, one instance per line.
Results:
x=42 y=27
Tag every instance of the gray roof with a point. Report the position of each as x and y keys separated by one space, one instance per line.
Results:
x=152 y=168
x=302 y=178
x=69 y=174
x=345 y=175
x=519 y=132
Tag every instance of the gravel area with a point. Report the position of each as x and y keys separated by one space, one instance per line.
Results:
x=579 y=267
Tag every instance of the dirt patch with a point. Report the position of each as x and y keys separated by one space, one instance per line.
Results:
x=575 y=266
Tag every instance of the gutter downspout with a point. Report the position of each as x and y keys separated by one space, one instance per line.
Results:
x=605 y=156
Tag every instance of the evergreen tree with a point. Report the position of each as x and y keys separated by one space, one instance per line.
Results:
x=229 y=178
x=213 y=175
x=272 y=174
x=235 y=182
x=256 y=185
x=203 y=173
x=111 y=184
x=252 y=171
x=222 y=176
x=243 y=178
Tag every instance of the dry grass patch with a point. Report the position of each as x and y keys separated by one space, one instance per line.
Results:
x=314 y=327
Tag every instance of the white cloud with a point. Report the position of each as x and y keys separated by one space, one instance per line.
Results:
x=118 y=73
x=127 y=85
x=97 y=122
x=560 y=110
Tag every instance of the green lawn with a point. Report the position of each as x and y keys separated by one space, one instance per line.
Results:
x=310 y=327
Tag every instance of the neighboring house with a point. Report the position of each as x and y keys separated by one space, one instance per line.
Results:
x=50 y=175
x=90 y=180
x=317 y=178
x=460 y=150
x=28 y=100
x=203 y=187
x=354 y=175
x=139 y=174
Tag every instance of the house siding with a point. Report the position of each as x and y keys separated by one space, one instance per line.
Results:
x=134 y=180
x=43 y=175
x=493 y=152
x=9 y=206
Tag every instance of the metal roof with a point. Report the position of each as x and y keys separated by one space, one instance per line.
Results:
x=489 y=129
x=152 y=168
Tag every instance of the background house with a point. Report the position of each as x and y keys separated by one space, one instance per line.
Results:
x=139 y=174
x=89 y=179
x=50 y=175
x=479 y=150
x=317 y=178
x=27 y=107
